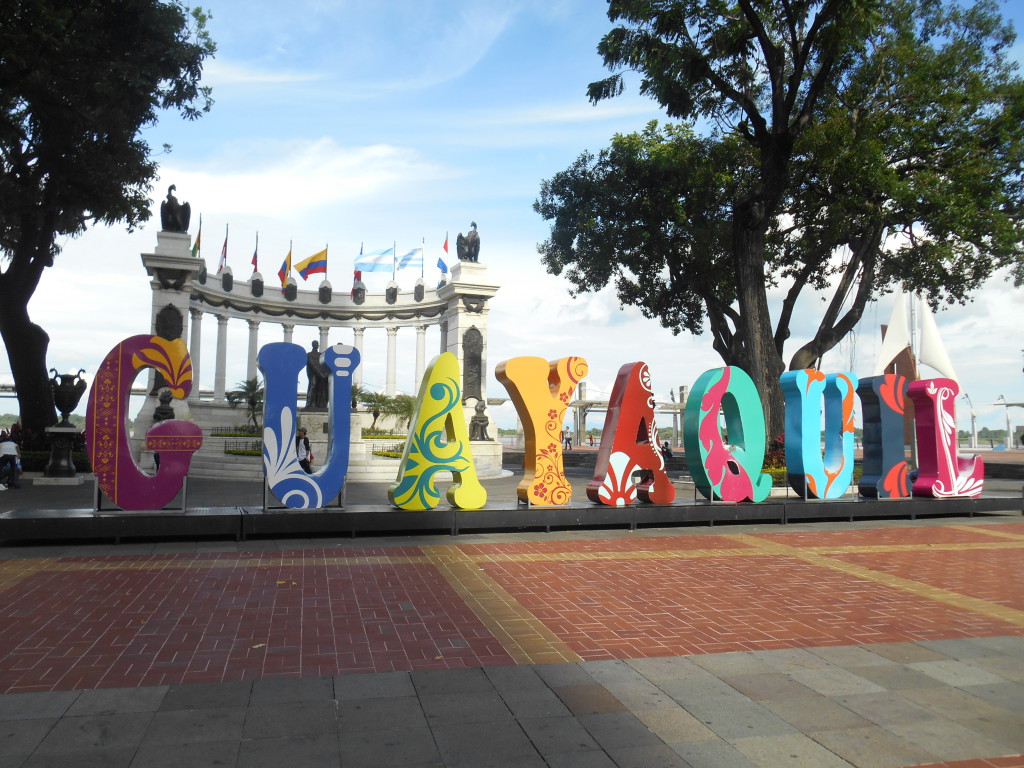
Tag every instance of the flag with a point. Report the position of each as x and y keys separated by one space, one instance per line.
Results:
x=286 y=268
x=442 y=266
x=413 y=258
x=255 y=255
x=199 y=236
x=223 y=252
x=317 y=263
x=356 y=277
x=377 y=261
x=445 y=246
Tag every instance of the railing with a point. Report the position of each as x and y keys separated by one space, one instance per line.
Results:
x=243 y=446
x=391 y=447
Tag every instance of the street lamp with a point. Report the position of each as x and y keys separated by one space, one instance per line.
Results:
x=1009 y=432
x=974 y=424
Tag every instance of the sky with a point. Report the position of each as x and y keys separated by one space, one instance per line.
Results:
x=366 y=123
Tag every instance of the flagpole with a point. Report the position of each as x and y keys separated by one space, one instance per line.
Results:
x=394 y=259
x=423 y=256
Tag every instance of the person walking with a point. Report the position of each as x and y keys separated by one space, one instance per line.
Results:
x=302 y=451
x=9 y=455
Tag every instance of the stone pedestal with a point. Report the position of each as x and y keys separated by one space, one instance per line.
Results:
x=60 y=470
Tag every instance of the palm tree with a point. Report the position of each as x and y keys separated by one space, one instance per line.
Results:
x=402 y=407
x=357 y=395
x=251 y=393
x=376 y=402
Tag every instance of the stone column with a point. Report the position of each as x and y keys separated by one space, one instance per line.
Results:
x=389 y=387
x=288 y=329
x=357 y=342
x=220 y=372
x=421 y=354
x=323 y=337
x=250 y=368
x=195 y=346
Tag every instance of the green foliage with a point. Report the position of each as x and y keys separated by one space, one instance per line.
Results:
x=36 y=461
x=79 y=82
x=376 y=403
x=250 y=393
x=855 y=145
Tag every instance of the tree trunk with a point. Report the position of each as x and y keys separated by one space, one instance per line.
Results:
x=764 y=363
x=26 y=345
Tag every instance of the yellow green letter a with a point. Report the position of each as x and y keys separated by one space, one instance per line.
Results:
x=438 y=442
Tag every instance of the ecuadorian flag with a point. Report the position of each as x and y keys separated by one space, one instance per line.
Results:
x=315 y=264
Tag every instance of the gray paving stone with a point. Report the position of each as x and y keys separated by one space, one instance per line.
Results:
x=904 y=653
x=834 y=682
x=955 y=673
x=615 y=730
x=711 y=754
x=773 y=685
x=189 y=726
x=210 y=754
x=289 y=689
x=1008 y=645
x=294 y=718
x=669 y=669
x=535 y=703
x=19 y=738
x=402 y=748
x=815 y=713
x=454 y=708
x=885 y=708
x=896 y=677
x=738 y=663
x=90 y=732
x=787 y=751
x=1008 y=695
x=555 y=735
x=594 y=759
x=439 y=681
x=514 y=678
x=319 y=751
x=847 y=656
x=589 y=699
x=558 y=675
x=652 y=756
x=34 y=706
x=115 y=757
x=674 y=724
x=110 y=701
x=386 y=714
x=373 y=686
x=959 y=648
x=789 y=660
x=207 y=695
x=873 y=747
x=1006 y=729
x=1007 y=667
x=729 y=713
x=953 y=703
x=486 y=745
x=948 y=740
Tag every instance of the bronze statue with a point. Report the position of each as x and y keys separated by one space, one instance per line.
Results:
x=468 y=246
x=319 y=375
x=478 y=423
x=174 y=216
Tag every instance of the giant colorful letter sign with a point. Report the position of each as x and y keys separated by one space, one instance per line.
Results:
x=117 y=474
x=541 y=392
x=809 y=473
x=281 y=363
x=439 y=441
x=885 y=460
x=720 y=473
x=629 y=445
x=942 y=472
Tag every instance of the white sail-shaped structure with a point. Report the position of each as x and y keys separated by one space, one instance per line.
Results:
x=931 y=351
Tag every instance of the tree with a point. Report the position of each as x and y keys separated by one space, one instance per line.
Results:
x=78 y=82
x=851 y=150
x=250 y=393
x=403 y=408
x=376 y=402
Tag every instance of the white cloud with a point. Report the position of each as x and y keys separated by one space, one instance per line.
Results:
x=218 y=73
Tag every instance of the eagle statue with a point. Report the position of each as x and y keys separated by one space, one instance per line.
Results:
x=468 y=246
x=174 y=216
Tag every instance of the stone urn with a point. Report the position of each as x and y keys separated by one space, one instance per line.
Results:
x=68 y=389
